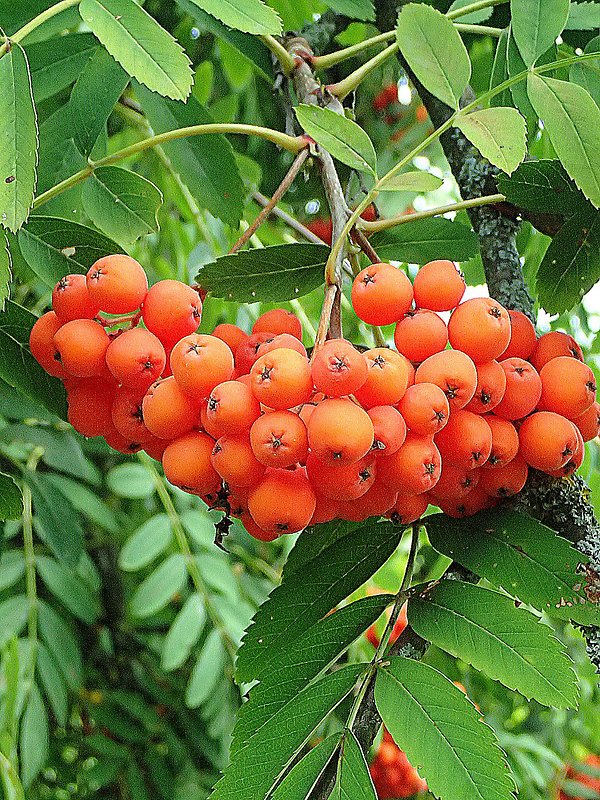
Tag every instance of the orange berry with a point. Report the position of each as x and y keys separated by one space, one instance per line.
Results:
x=338 y=368
x=388 y=377
x=200 y=362
x=71 y=299
x=523 y=338
x=341 y=482
x=547 y=440
x=456 y=481
x=408 y=508
x=381 y=294
x=326 y=510
x=235 y=462
x=187 y=463
x=281 y=379
x=439 y=286
x=588 y=423
x=117 y=284
x=279 y=439
x=169 y=412
x=41 y=344
x=231 y=408
x=375 y=502
x=574 y=462
x=420 y=334
x=247 y=351
x=277 y=321
x=127 y=415
x=425 y=408
x=568 y=387
x=255 y=531
x=505 y=442
x=505 y=481
x=552 y=345
x=172 y=310
x=283 y=501
x=329 y=430
x=466 y=440
x=281 y=340
x=231 y=335
x=136 y=358
x=477 y=500
x=389 y=429
x=89 y=405
x=155 y=447
x=82 y=345
x=454 y=372
x=414 y=468
x=114 y=439
x=480 y=328
x=523 y=389
x=491 y=385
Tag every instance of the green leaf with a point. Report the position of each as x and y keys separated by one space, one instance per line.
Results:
x=34 y=740
x=342 y=559
x=542 y=186
x=144 y=49
x=158 y=589
x=146 y=543
x=62 y=645
x=508 y=644
x=62 y=449
x=272 y=274
x=583 y=17
x=273 y=746
x=342 y=137
x=303 y=776
x=355 y=9
x=206 y=164
x=474 y=16
x=130 y=480
x=86 y=502
x=69 y=589
x=587 y=73
x=434 y=51
x=207 y=671
x=518 y=90
x=11 y=500
x=54 y=247
x=536 y=24
x=12 y=568
x=53 y=684
x=498 y=133
x=441 y=732
x=5 y=272
x=423 y=240
x=572 y=120
x=571 y=264
x=56 y=522
x=121 y=203
x=19 y=368
x=520 y=555
x=415 y=181
x=18 y=134
x=353 y=781
x=105 y=80
x=13 y=615
x=249 y=16
x=183 y=633
x=55 y=63
x=500 y=70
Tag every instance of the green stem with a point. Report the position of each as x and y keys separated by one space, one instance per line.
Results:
x=36 y=22
x=292 y=143
x=482 y=30
x=331 y=59
x=476 y=6
x=278 y=50
x=185 y=550
x=402 y=219
x=349 y=83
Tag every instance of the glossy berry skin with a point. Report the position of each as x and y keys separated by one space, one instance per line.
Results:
x=547 y=440
x=456 y=481
x=89 y=405
x=454 y=372
x=127 y=415
x=232 y=335
x=568 y=387
x=523 y=389
x=117 y=284
x=171 y=311
x=234 y=460
x=338 y=368
x=480 y=328
x=279 y=341
x=505 y=442
x=375 y=502
x=439 y=286
x=200 y=362
x=328 y=429
x=169 y=412
x=71 y=299
x=523 y=338
x=414 y=468
x=420 y=334
x=491 y=386
x=505 y=481
x=187 y=463
x=389 y=376
x=381 y=294
x=389 y=429
x=277 y=321
x=42 y=346
x=82 y=344
x=279 y=439
x=425 y=409
x=589 y=422
x=283 y=501
x=552 y=345
x=408 y=508
x=281 y=379
x=247 y=351
x=231 y=409
x=474 y=502
x=136 y=358
x=343 y=483
x=466 y=440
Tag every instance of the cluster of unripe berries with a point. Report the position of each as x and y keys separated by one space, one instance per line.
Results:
x=251 y=425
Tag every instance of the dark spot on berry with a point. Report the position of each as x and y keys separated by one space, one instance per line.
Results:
x=495 y=312
x=379 y=361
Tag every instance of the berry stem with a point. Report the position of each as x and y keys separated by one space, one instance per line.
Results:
x=279 y=51
x=402 y=219
x=365 y=245
x=285 y=184
x=482 y=30
x=476 y=6
x=331 y=59
x=19 y=35
x=352 y=81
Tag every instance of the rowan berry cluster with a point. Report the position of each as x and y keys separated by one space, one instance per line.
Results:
x=392 y=774
x=251 y=425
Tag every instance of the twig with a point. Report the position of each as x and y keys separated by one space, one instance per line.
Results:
x=285 y=184
x=403 y=219
x=290 y=221
x=365 y=245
